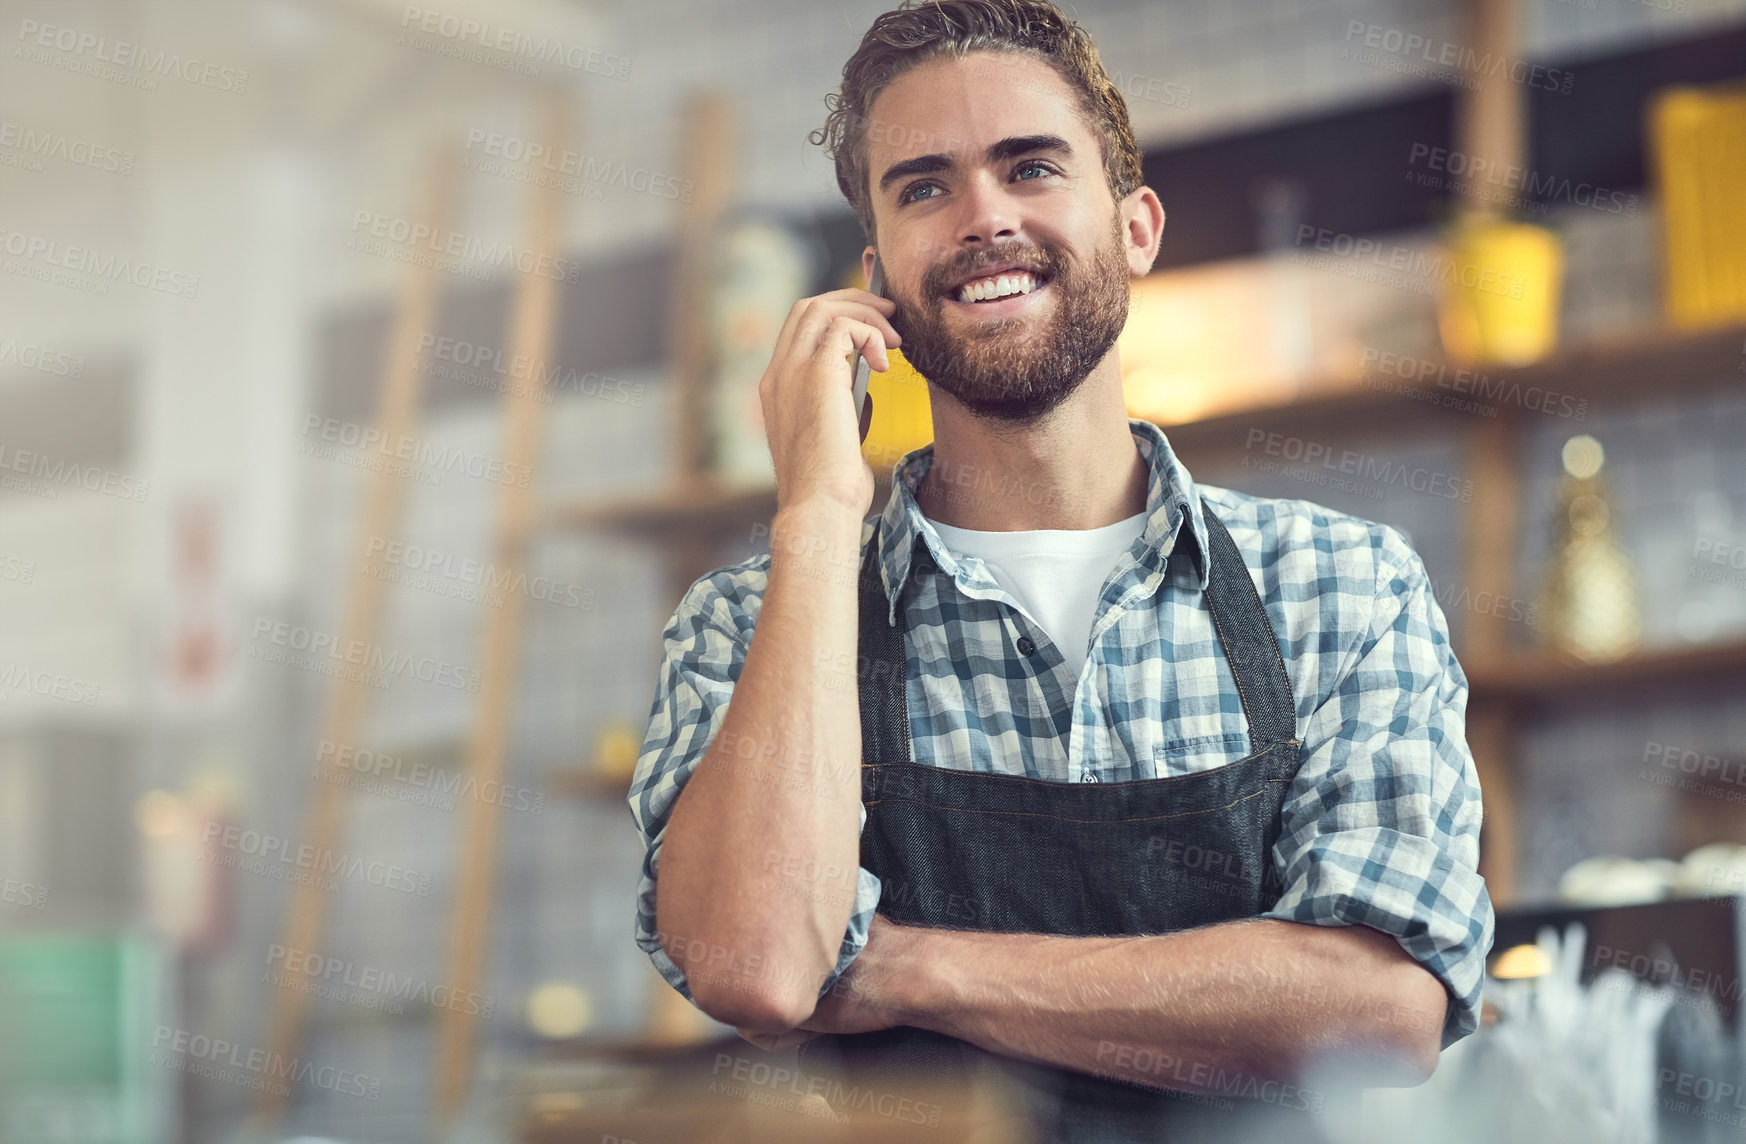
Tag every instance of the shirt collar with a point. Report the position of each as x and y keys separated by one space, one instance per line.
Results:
x=1170 y=498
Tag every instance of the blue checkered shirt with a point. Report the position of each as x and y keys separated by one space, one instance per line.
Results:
x=1381 y=825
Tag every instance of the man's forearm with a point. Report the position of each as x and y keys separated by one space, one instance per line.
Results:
x=1260 y=998
x=760 y=855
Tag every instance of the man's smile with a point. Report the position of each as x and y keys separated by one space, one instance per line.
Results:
x=999 y=296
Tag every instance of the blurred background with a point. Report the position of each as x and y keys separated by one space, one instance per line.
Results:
x=374 y=379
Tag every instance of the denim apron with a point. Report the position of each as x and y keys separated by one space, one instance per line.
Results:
x=1008 y=854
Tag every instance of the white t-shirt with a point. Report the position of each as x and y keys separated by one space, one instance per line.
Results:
x=1055 y=574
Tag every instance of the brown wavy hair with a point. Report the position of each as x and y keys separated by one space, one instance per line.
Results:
x=920 y=30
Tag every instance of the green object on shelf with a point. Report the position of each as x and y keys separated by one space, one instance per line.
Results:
x=77 y=1015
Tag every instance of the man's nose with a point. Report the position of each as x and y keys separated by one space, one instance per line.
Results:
x=987 y=212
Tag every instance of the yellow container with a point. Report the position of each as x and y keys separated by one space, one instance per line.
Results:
x=903 y=418
x=1499 y=287
x=1698 y=151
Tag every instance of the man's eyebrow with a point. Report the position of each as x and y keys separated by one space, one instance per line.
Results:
x=1007 y=148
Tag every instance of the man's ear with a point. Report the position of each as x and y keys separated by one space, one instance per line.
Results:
x=867 y=257
x=1142 y=217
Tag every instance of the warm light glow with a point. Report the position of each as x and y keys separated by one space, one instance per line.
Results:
x=1196 y=344
x=158 y=814
x=1583 y=456
x=1521 y=961
x=558 y=1009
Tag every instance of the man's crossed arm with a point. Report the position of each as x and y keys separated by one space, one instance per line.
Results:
x=1259 y=998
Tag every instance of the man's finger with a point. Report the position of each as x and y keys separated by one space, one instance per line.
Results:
x=776 y=1042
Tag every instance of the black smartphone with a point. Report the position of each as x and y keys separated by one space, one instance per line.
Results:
x=863 y=372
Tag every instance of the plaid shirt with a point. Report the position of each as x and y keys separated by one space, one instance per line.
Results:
x=1381 y=825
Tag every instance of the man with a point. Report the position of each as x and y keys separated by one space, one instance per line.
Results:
x=1141 y=787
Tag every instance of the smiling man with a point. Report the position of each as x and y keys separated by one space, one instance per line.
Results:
x=1064 y=765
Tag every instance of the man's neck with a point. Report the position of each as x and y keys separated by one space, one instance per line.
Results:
x=1077 y=468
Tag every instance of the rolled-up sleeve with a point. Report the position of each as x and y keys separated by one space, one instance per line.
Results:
x=1381 y=826
x=704 y=650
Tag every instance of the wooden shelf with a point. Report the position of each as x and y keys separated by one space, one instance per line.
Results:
x=696 y=505
x=1656 y=363
x=1540 y=678
x=1644 y=363
x=637 y=1046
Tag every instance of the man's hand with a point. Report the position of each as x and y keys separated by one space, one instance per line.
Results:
x=874 y=993
x=806 y=394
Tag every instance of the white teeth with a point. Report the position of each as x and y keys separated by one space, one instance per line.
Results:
x=999 y=286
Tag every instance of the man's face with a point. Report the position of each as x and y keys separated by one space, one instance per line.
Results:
x=950 y=211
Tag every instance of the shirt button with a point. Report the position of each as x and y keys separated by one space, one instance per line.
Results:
x=1025 y=646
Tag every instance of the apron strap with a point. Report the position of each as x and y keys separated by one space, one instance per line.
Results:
x=880 y=670
x=1247 y=635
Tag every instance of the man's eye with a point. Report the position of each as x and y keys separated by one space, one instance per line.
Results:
x=1036 y=165
x=909 y=196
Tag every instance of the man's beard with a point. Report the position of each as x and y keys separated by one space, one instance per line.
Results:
x=1018 y=369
